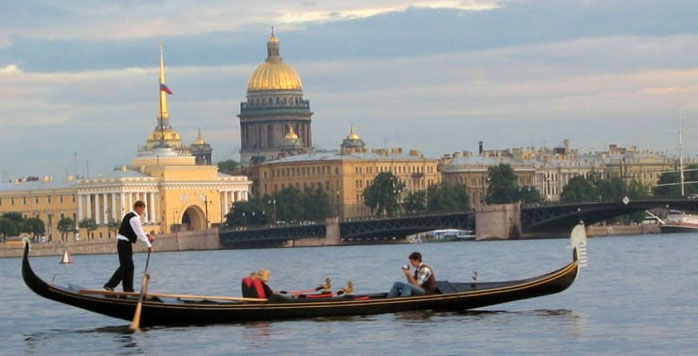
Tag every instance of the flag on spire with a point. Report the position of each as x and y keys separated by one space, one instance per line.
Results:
x=164 y=88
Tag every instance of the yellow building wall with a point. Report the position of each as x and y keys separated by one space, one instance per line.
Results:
x=49 y=205
x=345 y=180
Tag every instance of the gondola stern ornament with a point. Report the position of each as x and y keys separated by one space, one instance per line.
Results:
x=578 y=242
x=27 y=244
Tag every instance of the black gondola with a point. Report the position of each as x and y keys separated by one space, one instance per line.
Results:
x=171 y=309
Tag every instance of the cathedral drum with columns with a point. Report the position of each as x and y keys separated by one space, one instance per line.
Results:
x=274 y=107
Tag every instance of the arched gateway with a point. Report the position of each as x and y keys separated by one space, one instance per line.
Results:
x=194 y=218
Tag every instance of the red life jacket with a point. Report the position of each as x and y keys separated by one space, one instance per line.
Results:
x=253 y=288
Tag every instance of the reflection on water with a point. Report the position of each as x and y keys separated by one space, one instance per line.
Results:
x=592 y=317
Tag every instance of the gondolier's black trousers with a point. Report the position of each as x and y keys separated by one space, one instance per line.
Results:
x=124 y=273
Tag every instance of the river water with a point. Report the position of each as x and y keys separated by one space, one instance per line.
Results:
x=638 y=296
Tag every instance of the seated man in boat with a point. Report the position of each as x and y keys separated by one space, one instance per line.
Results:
x=255 y=286
x=421 y=282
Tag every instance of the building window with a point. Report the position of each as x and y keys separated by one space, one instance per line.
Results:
x=73 y=197
x=48 y=199
x=265 y=176
x=336 y=170
x=12 y=201
x=36 y=200
x=60 y=198
x=24 y=200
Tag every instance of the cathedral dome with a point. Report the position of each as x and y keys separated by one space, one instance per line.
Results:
x=274 y=74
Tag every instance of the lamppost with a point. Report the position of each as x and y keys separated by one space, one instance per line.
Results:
x=273 y=212
x=175 y=212
x=206 y=201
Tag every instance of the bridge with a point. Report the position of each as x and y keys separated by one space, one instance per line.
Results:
x=564 y=216
x=534 y=219
x=348 y=230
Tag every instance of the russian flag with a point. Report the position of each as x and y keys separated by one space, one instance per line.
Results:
x=164 y=88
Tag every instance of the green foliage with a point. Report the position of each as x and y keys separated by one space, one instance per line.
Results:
x=88 y=224
x=415 y=202
x=33 y=226
x=502 y=187
x=14 y=216
x=316 y=205
x=228 y=166
x=529 y=195
x=579 y=189
x=251 y=212
x=447 y=197
x=674 y=191
x=8 y=227
x=288 y=205
x=382 y=196
x=66 y=225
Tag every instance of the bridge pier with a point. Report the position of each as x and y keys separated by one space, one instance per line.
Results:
x=333 y=235
x=498 y=221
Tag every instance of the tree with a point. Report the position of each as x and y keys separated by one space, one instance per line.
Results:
x=578 y=190
x=316 y=205
x=89 y=225
x=65 y=225
x=502 y=188
x=14 y=216
x=673 y=191
x=612 y=189
x=415 y=202
x=382 y=195
x=251 y=212
x=529 y=195
x=8 y=228
x=34 y=226
x=228 y=166
x=289 y=207
x=447 y=197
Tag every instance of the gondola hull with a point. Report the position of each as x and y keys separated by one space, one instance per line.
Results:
x=193 y=311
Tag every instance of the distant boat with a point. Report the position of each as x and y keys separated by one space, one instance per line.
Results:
x=679 y=221
x=66 y=257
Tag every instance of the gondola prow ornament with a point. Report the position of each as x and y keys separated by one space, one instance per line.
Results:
x=578 y=242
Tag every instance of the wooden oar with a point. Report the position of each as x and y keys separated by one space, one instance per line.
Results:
x=171 y=295
x=135 y=325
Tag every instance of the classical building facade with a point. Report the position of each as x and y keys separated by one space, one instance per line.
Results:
x=463 y=167
x=344 y=174
x=181 y=189
x=273 y=108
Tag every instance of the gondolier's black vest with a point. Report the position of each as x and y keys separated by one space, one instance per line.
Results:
x=126 y=230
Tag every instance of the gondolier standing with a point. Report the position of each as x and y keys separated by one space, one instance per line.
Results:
x=130 y=232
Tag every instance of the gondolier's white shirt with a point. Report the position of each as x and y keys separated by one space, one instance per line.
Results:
x=137 y=228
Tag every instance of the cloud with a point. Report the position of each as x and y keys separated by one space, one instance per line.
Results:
x=10 y=69
x=438 y=80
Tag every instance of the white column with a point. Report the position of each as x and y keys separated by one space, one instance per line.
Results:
x=88 y=202
x=105 y=208
x=97 y=214
x=226 y=204
x=123 y=204
x=79 y=208
x=114 y=212
x=130 y=201
x=151 y=208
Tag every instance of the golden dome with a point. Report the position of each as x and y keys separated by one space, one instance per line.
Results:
x=352 y=134
x=199 y=140
x=291 y=135
x=274 y=74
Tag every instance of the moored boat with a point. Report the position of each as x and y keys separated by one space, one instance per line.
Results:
x=679 y=221
x=178 y=309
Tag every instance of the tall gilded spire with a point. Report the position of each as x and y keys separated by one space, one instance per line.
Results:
x=273 y=48
x=163 y=95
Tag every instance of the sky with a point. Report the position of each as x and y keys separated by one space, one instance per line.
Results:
x=79 y=79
